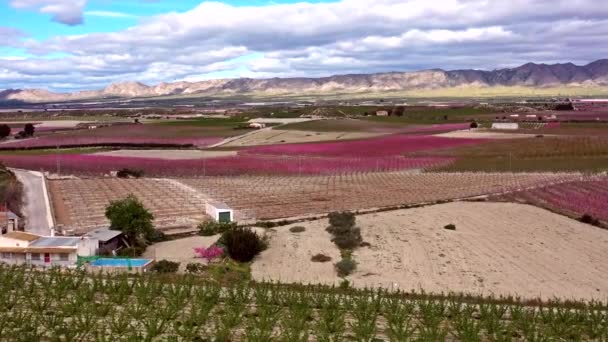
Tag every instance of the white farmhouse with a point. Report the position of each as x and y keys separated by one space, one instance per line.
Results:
x=31 y=249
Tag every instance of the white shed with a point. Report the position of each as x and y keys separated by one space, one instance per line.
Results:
x=220 y=211
x=505 y=125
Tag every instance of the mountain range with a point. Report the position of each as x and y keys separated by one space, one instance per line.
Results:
x=530 y=75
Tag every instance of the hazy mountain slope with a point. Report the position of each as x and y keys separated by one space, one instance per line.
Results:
x=527 y=75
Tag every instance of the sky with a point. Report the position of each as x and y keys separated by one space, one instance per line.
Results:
x=67 y=45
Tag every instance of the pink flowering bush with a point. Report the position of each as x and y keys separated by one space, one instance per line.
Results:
x=210 y=253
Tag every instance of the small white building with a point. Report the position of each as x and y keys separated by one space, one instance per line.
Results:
x=219 y=211
x=257 y=125
x=505 y=125
x=31 y=249
x=382 y=113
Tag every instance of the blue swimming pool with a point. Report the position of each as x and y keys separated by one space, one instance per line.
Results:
x=106 y=262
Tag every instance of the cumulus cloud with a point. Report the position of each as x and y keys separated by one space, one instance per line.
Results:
x=67 y=12
x=305 y=39
x=10 y=36
x=109 y=14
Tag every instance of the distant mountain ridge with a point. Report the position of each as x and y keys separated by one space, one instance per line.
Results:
x=528 y=75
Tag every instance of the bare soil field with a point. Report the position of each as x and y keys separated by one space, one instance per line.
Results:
x=168 y=154
x=268 y=197
x=497 y=248
x=277 y=136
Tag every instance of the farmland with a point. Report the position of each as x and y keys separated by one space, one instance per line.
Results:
x=575 y=199
x=513 y=197
x=498 y=249
x=80 y=204
x=188 y=309
x=124 y=135
x=568 y=153
x=83 y=201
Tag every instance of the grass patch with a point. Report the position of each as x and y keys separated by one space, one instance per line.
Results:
x=529 y=155
x=297 y=229
x=320 y=258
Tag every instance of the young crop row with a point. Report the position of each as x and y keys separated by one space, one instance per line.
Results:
x=234 y=165
x=573 y=198
x=74 y=306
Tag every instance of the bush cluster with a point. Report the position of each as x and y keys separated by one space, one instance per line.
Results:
x=345 y=267
x=129 y=173
x=165 y=266
x=297 y=229
x=346 y=235
x=450 y=226
x=320 y=258
x=271 y=224
x=590 y=220
x=209 y=228
x=242 y=244
x=131 y=252
x=195 y=268
x=157 y=236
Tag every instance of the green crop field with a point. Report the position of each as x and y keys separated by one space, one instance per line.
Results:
x=73 y=306
x=565 y=153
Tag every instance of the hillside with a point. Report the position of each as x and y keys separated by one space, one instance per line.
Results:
x=530 y=75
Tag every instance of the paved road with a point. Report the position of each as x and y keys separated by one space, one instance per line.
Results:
x=36 y=207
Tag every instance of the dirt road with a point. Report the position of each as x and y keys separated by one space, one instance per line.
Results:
x=36 y=209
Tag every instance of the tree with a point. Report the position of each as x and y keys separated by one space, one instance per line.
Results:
x=5 y=131
x=398 y=111
x=29 y=130
x=131 y=217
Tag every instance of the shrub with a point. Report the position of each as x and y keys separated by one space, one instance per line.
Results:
x=165 y=266
x=209 y=228
x=129 y=173
x=345 y=267
x=297 y=229
x=5 y=131
x=345 y=234
x=28 y=130
x=157 y=236
x=345 y=284
x=210 y=253
x=271 y=224
x=242 y=244
x=131 y=252
x=474 y=124
x=194 y=267
x=320 y=258
x=589 y=220
x=450 y=227
x=341 y=219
